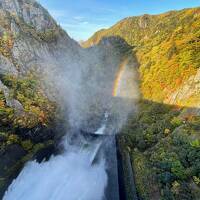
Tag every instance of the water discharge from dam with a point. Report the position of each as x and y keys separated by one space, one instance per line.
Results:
x=69 y=176
x=87 y=170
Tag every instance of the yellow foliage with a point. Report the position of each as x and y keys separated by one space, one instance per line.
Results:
x=12 y=139
x=2 y=104
x=167 y=131
x=167 y=48
x=196 y=180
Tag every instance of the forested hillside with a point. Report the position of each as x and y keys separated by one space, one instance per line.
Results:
x=168 y=51
x=163 y=138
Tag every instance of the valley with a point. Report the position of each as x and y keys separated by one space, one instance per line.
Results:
x=115 y=117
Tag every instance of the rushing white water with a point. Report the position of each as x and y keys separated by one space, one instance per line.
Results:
x=101 y=130
x=70 y=176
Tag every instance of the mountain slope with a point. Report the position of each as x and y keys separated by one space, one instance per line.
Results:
x=168 y=51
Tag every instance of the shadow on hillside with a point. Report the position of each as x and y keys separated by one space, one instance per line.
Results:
x=114 y=43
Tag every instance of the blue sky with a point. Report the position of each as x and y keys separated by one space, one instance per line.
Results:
x=81 y=18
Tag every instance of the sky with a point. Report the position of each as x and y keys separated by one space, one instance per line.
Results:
x=82 y=18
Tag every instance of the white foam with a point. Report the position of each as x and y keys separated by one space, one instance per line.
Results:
x=67 y=177
x=101 y=130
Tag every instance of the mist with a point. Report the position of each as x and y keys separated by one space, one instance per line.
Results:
x=82 y=84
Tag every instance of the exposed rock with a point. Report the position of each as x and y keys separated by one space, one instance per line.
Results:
x=31 y=12
x=37 y=38
x=37 y=134
x=186 y=92
x=45 y=153
x=144 y=21
x=6 y=66
x=13 y=103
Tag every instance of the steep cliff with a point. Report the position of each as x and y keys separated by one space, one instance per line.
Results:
x=30 y=41
x=29 y=35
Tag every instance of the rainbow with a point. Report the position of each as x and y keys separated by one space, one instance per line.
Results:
x=118 y=79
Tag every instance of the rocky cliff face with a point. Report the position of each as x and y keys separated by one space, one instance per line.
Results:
x=31 y=12
x=30 y=39
x=32 y=35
